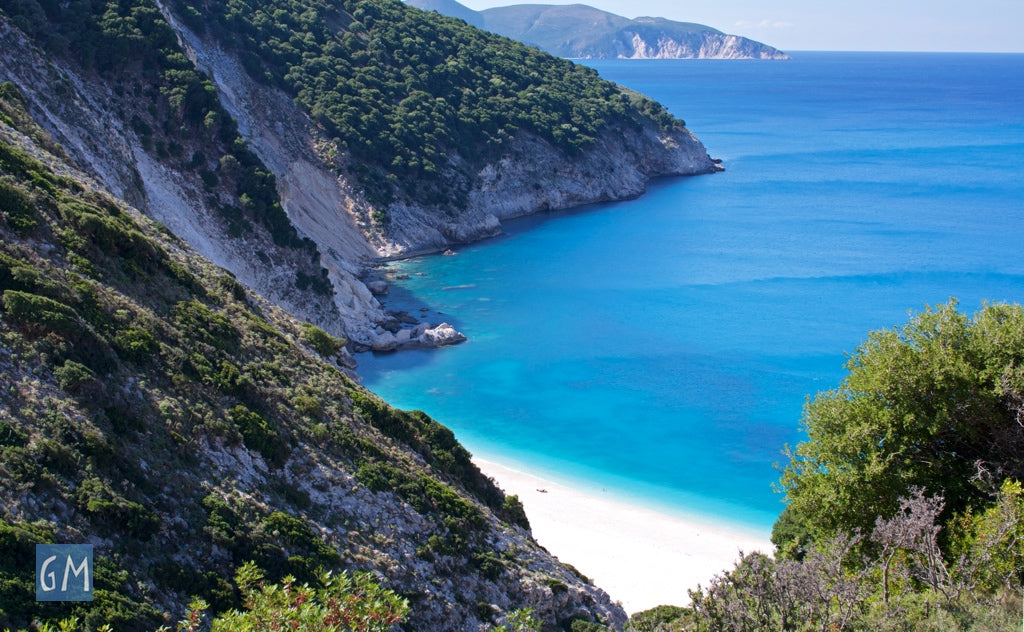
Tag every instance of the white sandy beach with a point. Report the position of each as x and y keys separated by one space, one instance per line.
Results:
x=642 y=558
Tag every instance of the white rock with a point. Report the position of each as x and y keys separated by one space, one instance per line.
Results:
x=442 y=335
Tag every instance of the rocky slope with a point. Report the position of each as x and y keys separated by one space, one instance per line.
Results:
x=116 y=130
x=152 y=406
x=160 y=396
x=581 y=32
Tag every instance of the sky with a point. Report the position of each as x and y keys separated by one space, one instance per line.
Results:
x=874 y=25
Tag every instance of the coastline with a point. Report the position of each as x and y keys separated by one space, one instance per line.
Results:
x=641 y=557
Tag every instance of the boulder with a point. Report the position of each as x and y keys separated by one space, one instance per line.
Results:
x=442 y=335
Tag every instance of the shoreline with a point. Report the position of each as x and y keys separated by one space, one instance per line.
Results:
x=641 y=557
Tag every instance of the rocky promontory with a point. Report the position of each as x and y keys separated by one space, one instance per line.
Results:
x=578 y=31
x=186 y=181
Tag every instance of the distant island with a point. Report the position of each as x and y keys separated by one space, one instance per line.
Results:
x=578 y=31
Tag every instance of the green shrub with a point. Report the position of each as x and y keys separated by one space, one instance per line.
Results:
x=320 y=341
x=17 y=209
x=489 y=565
x=109 y=231
x=42 y=314
x=21 y=465
x=298 y=536
x=338 y=602
x=20 y=164
x=258 y=434
x=11 y=434
x=584 y=625
x=199 y=322
x=381 y=477
x=17 y=275
x=512 y=512
x=71 y=375
x=656 y=619
x=114 y=512
x=449 y=503
x=557 y=586
x=135 y=343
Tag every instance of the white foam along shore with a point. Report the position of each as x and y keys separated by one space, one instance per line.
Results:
x=639 y=556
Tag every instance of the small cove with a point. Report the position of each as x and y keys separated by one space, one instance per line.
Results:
x=662 y=348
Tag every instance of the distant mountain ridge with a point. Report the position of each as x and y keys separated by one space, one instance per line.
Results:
x=579 y=31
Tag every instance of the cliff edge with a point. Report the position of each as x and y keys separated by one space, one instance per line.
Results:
x=298 y=173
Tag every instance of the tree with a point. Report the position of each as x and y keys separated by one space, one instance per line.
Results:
x=928 y=405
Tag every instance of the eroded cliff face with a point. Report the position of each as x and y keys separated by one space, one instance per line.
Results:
x=88 y=118
x=322 y=205
x=321 y=199
x=533 y=176
x=707 y=45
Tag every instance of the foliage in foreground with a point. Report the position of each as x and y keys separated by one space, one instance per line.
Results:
x=334 y=603
x=340 y=602
x=937 y=404
x=905 y=508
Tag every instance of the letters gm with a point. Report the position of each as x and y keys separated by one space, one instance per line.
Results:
x=64 y=572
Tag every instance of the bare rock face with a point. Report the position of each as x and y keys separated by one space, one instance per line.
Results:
x=652 y=44
x=533 y=176
x=78 y=112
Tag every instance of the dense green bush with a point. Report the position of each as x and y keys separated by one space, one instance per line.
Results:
x=72 y=375
x=202 y=324
x=42 y=314
x=135 y=343
x=320 y=341
x=115 y=512
x=17 y=209
x=258 y=434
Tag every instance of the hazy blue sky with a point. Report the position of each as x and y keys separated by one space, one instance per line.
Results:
x=925 y=25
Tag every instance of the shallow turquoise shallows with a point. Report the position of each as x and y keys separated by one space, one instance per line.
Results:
x=662 y=348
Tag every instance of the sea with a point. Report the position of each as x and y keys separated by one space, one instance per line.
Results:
x=662 y=349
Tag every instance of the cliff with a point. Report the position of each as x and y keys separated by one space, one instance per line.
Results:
x=208 y=128
x=190 y=195
x=578 y=31
x=152 y=406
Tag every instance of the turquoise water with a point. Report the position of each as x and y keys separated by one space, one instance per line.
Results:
x=663 y=348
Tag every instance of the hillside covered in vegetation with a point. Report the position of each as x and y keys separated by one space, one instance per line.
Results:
x=295 y=142
x=154 y=407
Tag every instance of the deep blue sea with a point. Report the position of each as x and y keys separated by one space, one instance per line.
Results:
x=663 y=348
